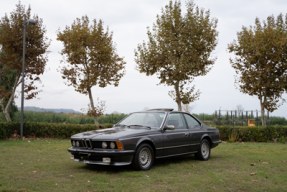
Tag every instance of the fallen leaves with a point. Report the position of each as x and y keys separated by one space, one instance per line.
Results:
x=252 y=164
x=252 y=174
x=57 y=149
x=192 y=166
x=34 y=171
x=223 y=141
x=283 y=161
x=265 y=163
x=254 y=180
x=39 y=160
x=39 y=150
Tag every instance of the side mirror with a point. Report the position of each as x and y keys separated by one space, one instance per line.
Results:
x=169 y=127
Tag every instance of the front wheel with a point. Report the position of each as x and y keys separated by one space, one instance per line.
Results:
x=144 y=157
x=204 y=151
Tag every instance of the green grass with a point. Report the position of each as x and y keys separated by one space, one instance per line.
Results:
x=228 y=169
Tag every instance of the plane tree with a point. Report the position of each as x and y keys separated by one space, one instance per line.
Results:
x=11 y=56
x=90 y=59
x=260 y=61
x=178 y=49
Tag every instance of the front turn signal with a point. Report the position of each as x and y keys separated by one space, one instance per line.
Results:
x=119 y=145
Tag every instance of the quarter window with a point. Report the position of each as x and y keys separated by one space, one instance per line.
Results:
x=191 y=122
x=176 y=119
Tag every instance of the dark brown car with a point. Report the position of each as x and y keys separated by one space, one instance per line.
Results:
x=142 y=137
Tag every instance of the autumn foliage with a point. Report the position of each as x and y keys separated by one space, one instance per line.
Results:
x=260 y=61
x=11 y=38
x=90 y=59
x=178 y=49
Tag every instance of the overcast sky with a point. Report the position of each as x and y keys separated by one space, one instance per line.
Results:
x=128 y=19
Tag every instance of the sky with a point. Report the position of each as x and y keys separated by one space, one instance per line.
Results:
x=128 y=20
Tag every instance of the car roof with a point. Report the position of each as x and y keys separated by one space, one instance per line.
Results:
x=161 y=109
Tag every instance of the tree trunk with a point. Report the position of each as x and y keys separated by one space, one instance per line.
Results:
x=178 y=100
x=6 y=108
x=262 y=112
x=5 y=113
x=92 y=106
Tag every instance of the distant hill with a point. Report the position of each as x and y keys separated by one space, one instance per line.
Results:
x=38 y=109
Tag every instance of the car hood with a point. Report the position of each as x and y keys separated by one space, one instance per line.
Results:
x=113 y=133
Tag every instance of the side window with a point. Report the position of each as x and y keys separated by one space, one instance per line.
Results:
x=176 y=119
x=191 y=122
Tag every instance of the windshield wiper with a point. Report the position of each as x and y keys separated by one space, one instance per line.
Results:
x=129 y=126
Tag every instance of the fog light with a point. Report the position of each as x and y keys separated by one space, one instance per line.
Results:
x=112 y=145
x=78 y=144
x=104 y=144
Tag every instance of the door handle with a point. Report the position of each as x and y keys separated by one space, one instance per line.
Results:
x=186 y=134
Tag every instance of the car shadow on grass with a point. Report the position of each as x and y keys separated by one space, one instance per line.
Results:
x=158 y=163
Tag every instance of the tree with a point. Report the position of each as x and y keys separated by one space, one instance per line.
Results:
x=7 y=80
x=11 y=38
x=187 y=108
x=261 y=62
x=91 y=57
x=178 y=49
x=239 y=109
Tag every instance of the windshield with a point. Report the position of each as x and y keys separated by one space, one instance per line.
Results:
x=153 y=120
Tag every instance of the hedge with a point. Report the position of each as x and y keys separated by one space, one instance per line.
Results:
x=259 y=134
x=64 y=131
x=51 y=130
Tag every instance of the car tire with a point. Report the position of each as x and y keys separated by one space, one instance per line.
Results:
x=144 y=157
x=204 y=151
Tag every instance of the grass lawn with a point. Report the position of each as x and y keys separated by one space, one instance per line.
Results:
x=45 y=165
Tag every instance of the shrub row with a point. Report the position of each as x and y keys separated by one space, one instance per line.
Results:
x=64 y=131
x=259 y=134
x=50 y=130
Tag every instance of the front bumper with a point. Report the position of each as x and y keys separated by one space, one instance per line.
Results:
x=215 y=143
x=98 y=156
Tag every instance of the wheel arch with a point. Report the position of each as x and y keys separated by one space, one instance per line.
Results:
x=147 y=141
x=208 y=138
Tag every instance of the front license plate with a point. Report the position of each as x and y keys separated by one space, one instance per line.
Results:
x=106 y=160
x=86 y=161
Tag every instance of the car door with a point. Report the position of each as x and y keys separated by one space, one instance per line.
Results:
x=196 y=132
x=176 y=141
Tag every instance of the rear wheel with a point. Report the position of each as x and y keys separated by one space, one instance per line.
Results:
x=204 y=151
x=144 y=157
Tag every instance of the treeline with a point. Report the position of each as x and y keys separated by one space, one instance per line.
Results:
x=211 y=119
x=69 y=118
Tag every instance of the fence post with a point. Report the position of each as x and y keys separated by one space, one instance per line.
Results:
x=235 y=118
x=242 y=118
x=215 y=117
x=227 y=121
x=219 y=117
x=246 y=118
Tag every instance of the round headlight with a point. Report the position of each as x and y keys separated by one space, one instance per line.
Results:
x=74 y=143
x=78 y=144
x=104 y=144
x=112 y=145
